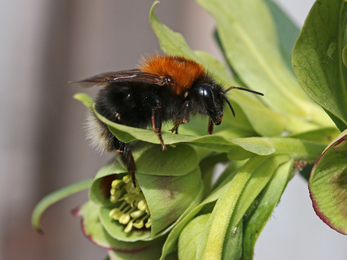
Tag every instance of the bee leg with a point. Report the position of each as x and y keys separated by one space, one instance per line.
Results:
x=127 y=158
x=156 y=123
x=175 y=128
x=184 y=118
x=210 y=126
x=157 y=117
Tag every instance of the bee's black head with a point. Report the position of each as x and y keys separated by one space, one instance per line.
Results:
x=211 y=99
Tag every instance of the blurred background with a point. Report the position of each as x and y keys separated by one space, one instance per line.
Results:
x=43 y=45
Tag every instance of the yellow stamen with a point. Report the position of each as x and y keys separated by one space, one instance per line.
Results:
x=116 y=184
x=137 y=214
x=124 y=219
x=115 y=196
x=134 y=210
x=138 y=223
x=129 y=226
x=148 y=224
x=127 y=178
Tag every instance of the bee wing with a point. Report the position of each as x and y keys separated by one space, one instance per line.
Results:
x=129 y=76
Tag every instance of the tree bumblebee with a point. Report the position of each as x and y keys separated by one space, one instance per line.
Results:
x=163 y=88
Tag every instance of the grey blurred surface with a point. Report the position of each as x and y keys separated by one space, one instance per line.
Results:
x=45 y=44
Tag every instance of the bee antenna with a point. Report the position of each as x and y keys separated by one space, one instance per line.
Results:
x=245 y=89
x=226 y=99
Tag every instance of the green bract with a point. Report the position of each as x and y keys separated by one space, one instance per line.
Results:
x=176 y=210
x=328 y=184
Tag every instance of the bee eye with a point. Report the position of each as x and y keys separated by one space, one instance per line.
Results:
x=206 y=96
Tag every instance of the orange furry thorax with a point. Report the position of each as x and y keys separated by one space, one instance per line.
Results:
x=183 y=72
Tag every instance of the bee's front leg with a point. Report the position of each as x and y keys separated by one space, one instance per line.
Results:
x=183 y=118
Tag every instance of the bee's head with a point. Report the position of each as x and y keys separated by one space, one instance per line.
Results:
x=212 y=100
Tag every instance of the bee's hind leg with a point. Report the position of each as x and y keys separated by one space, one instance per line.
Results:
x=124 y=150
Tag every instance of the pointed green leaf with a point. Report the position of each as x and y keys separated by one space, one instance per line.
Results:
x=286 y=30
x=265 y=204
x=230 y=208
x=53 y=198
x=173 y=43
x=85 y=99
x=232 y=248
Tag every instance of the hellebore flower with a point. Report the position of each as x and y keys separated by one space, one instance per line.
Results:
x=151 y=208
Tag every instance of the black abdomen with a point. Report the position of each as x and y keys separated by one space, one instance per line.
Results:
x=126 y=105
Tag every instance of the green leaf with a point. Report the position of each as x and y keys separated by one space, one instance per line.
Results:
x=322 y=135
x=229 y=209
x=296 y=148
x=249 y=41
x=85 y=99
x=189 y=238
x=173 y=43
x=190 y=235
x=318 y=60
x=265 y=204
x=53 y=198
x=232 y=248
x=328 y=184
x=287 y=32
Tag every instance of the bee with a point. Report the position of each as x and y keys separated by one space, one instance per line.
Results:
x=163 y=88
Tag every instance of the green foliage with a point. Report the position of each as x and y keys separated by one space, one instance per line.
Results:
x=193 y=218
